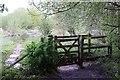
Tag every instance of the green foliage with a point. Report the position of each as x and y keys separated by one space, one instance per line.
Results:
x=17 y=74
x=45 y=26
x=117 y=75
x=5 y=54
x=92 y=16
x=14 y=22
x=35 y=16
x=111 y=66
x=21 y=19
x=73 y=18
x=11 y=74
x=42 y=57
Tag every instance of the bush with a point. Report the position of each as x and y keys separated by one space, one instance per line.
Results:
x=11 y=73
x=111 y=66
x=42 y=57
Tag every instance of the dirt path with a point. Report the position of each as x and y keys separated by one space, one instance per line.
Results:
x=73 y=72
x=12 y=58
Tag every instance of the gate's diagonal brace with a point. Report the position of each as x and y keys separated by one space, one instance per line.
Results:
x=66 y=51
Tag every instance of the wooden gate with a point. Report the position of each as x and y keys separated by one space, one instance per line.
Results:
x=64 y=46
x=68 y=48
x=71 y=49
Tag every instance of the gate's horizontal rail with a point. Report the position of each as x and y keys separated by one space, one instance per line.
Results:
x=64 y=40
x=66 y=36
x=76 y=45
x=69 y=36
x=69 y=52
x=87 y=44
x=96 y=46
x=72 y=54
x=94 y=37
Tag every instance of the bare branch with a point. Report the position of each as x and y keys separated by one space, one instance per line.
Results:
x=116 y=26
x=59 y=9
x=115 y=4
x=112 y=30
x=112 y=9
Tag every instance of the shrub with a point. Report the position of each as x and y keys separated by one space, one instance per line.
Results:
x=42 y=57
x=112 y=71
x=117 y=74
x=11 y=73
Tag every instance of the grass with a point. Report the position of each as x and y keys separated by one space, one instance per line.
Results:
x=6 y=42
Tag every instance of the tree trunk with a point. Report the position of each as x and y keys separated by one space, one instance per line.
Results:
x=71 y=31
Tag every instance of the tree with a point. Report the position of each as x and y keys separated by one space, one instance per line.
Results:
x=35 y=16
x=91 y=14
x=46 y=25
x=16 y=21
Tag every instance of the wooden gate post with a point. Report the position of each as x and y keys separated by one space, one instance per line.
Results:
x=110 y=51
x=55 y=39
x=81 y=41
x=89 y=42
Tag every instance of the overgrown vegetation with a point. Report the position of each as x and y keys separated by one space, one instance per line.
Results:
x=69 y=18
x=40 y=61
x=41 y=55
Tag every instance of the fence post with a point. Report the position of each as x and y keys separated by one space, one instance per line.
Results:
x=81 y=39
x=89 y=43
x=55 y=45
x=110 y=51
x=55 y=39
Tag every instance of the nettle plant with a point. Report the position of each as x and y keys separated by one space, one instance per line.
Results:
x=42 y=57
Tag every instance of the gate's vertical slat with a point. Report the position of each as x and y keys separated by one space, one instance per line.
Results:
x=55 y=38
